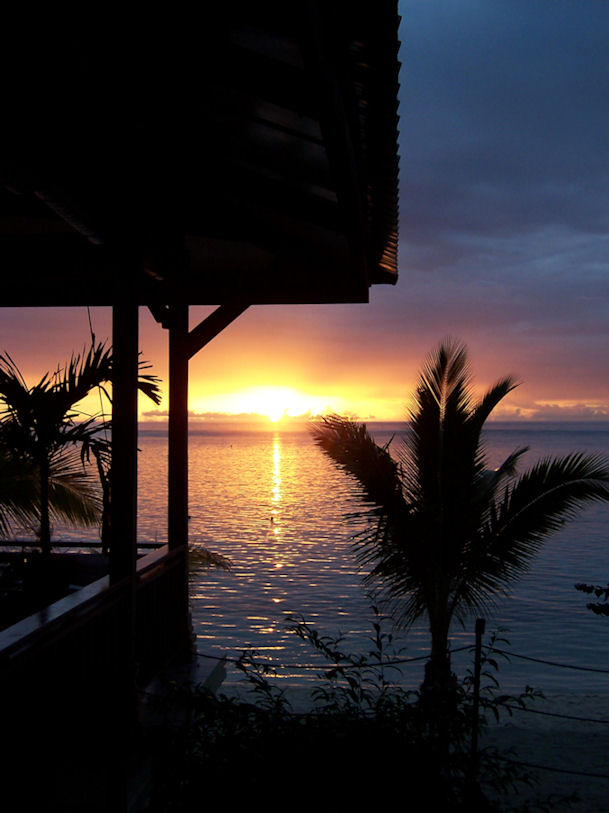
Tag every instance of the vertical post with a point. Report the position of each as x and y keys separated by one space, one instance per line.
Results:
x=177 y=527
x=123 y=552
x=119 y=703
x=177 y=520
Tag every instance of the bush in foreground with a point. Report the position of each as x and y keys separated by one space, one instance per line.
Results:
x=365 y=740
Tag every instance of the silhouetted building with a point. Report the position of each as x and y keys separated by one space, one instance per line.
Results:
x=246 y=156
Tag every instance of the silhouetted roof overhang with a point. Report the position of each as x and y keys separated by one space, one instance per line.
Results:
x=249 y=157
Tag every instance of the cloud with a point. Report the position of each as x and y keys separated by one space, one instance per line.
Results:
x=226 y=417
x=503 y=130
x=504 y=235
x=237 y=418
x=554 y=412
x=250 y=417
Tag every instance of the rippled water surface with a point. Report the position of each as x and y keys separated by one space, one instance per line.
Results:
x=277 y=507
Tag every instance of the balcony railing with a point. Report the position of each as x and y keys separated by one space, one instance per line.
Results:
x=70 y=676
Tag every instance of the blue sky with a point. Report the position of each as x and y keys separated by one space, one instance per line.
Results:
x=505 y=186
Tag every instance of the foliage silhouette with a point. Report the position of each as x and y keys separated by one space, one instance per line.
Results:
x=40 y=424
x=448 y=535
x=363 y=732
x=73 y=498
x=597 y=607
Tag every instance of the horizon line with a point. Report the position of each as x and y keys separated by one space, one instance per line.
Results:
x=263 y=422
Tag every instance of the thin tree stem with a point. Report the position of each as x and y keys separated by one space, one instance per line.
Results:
x=45 y=523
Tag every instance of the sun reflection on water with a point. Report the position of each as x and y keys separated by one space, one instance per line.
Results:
x=277 y=507
x=276 y=469
x=276 y=495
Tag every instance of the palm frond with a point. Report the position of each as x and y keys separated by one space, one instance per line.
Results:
x=87 y=371
x=447 y=535
x=14 y=393
x=149 y=384
x=40 y=424
x=542 y=499
x=490 y=401
x=438 y=451
x=488 y=482
x=74 y=495
x=517 y=525
x=19 y=492
x=353 y=449
x=10 y=371
x=83 y=373
x=480 y=414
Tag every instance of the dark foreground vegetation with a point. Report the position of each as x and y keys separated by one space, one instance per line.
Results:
x=365 y=742
x=447 y=536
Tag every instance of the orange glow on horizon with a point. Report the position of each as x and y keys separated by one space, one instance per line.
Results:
x=274 y=402
x=293 y=360
x=248 y=376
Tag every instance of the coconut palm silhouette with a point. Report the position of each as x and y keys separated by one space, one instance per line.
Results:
x=449 y=535
x=73 y=498
x=41 y=430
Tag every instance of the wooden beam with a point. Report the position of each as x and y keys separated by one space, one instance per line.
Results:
x=215 y=323
x=160 y=313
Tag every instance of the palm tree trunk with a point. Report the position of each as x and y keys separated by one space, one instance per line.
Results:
x=45 y=523
x=438 y=673
x=105 y=478
x=438 y=694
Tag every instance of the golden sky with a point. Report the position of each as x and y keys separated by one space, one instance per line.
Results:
x=353 y=360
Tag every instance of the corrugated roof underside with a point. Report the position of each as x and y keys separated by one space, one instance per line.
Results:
x=253 y=158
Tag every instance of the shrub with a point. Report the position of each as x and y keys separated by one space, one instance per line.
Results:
x=364 y=736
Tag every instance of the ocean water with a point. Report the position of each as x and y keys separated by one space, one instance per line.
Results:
x=282 y=512
x=273 y=504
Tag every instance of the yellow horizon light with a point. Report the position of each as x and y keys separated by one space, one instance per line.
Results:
x=274 y=402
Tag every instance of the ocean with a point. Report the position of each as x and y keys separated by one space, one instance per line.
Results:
x=273 y=504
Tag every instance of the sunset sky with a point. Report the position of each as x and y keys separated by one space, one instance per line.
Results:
x=504 y=237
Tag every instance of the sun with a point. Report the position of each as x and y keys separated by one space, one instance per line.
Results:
x=274 y=414
x=267 y=403
x=271 y=402
x=275 y=402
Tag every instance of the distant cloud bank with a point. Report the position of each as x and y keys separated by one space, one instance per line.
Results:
x=522 y=413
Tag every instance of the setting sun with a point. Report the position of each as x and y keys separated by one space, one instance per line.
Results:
x=274 y=402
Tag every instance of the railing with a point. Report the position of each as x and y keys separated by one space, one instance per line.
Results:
x=90 y=627
x=69 y=676
x=162 y=632
x=67 y=543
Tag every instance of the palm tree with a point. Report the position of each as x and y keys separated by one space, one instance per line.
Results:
x=449 y=535
x=73 y=498
x=39 y=427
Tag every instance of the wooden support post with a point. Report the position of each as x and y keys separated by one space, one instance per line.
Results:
x=177 y=520
x=178 y=427
x=123 y=517
x=124 y=441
